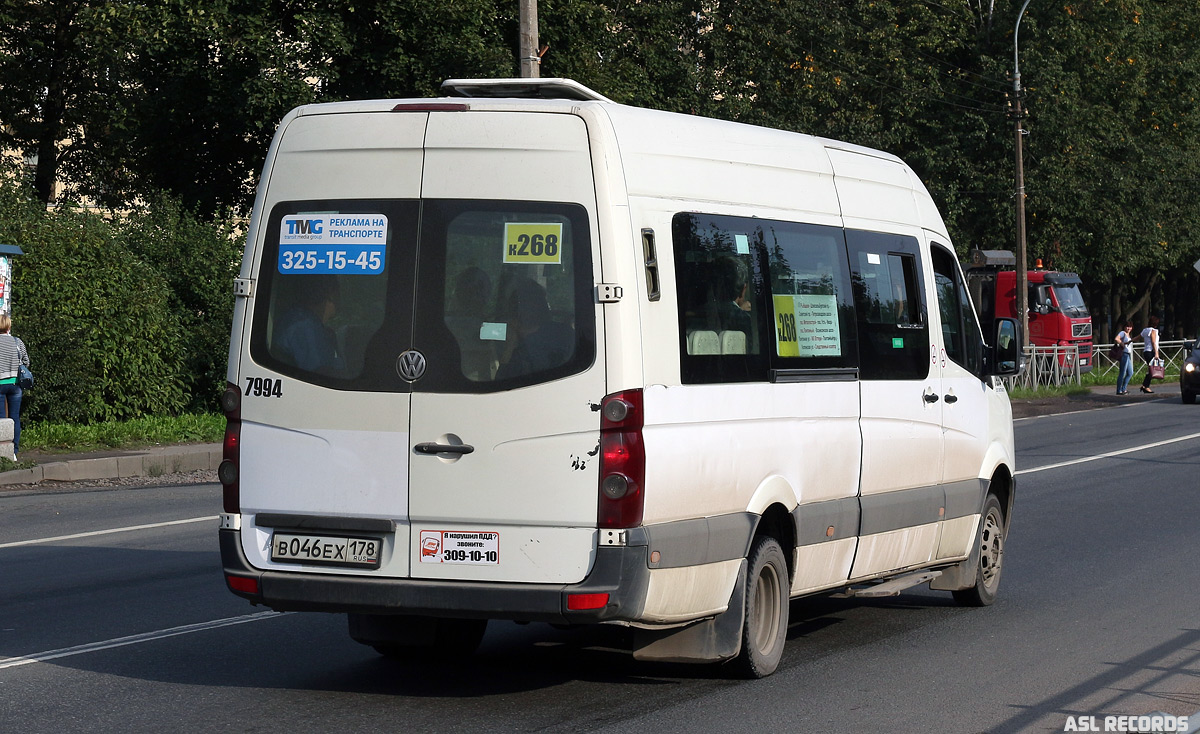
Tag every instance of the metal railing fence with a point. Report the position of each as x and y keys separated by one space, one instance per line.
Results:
x=1055 y=366
x=1173 y=354
x=1048 y=367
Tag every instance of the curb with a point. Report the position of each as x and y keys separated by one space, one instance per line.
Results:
x=151 y=462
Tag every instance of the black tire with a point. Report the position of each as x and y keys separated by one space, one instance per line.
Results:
x=764 y=630
x=1189 y=397
x=989 y=544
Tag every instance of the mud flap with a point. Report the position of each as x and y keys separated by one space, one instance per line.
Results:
x=712 y=640
x=962 y=575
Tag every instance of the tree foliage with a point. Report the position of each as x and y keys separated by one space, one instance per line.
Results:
x=122 y=319
x=123 y=99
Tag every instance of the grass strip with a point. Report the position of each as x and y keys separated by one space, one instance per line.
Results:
x=135 y=433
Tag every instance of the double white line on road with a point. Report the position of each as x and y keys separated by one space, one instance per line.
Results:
x=1110 y=454
x=186 y=629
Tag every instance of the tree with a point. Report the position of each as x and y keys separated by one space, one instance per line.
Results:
x=54 y=80
x=1113 y=145
x=205 y=83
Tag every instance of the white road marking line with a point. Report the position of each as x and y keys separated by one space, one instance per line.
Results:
x=186 y=629
x=94 y=533
x=1110 y=454
x=1086 y=410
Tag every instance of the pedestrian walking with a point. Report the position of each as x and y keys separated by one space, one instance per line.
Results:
x=1124 y=344
x=12 y=355
x=1149 y=349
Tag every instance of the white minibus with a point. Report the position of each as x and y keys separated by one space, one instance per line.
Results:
x=523 y=353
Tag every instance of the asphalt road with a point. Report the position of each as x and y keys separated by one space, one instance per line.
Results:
x=126 y=626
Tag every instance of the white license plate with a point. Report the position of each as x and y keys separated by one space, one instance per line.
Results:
x=328 y=549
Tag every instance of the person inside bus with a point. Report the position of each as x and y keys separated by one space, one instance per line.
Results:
x=537 y=342
x=733 y=307
x=303 y=335
x=465 y=316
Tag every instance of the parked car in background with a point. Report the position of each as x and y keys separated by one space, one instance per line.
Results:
x=1189 y=373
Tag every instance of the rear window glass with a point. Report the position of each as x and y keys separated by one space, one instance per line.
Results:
x=495 y=295
x=505 y=294
x=334 y=291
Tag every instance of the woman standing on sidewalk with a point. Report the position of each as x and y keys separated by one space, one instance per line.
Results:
x=12 y=354
x=1125 y=343
x=1149 y=349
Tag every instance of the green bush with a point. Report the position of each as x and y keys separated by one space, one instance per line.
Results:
x=123 y=318
x=199 y=262
x=102 y=338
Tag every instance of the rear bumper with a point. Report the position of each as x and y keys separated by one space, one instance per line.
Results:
x=620 y=571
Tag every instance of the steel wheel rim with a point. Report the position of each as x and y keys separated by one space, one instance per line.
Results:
x=991 y=548
x=766 y=609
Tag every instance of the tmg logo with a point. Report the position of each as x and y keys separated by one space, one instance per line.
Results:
x=304 y=226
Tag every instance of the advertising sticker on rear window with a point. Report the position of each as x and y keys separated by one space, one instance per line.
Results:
x=350 y=244
x=533 y=243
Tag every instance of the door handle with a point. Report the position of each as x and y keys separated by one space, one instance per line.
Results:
x=443 y=448
x=951 y=398
x=931 y=397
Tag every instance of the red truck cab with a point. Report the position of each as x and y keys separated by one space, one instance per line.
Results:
x=1057 y=314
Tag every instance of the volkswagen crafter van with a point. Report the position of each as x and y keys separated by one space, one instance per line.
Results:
x=523 y=353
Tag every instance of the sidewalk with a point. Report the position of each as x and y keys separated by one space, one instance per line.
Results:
x=154 y=461
x=1167 y=389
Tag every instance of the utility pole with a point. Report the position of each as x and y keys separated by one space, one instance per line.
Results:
x=1018 y=114
x=530 y=61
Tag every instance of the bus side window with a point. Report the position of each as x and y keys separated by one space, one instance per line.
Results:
x=889 y=293
x=721 y=298
x=961 y=336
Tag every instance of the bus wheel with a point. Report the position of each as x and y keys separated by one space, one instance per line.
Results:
x=990 y=546
x=764 y=630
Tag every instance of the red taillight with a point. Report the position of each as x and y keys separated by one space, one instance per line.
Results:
x=230 y=469
x=242 y=584
x=579 y=602
x=623 y=460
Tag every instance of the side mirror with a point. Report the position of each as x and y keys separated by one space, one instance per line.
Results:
x=1004 y=354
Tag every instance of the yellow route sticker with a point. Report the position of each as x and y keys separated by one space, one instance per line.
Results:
x=806 y=325
x=786 y=343
x=533 y=243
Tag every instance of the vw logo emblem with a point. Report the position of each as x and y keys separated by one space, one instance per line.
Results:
x=411 y=365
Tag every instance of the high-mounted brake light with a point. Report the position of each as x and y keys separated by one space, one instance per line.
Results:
x=622 y=460
x=432 y=107
x=229 y=472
